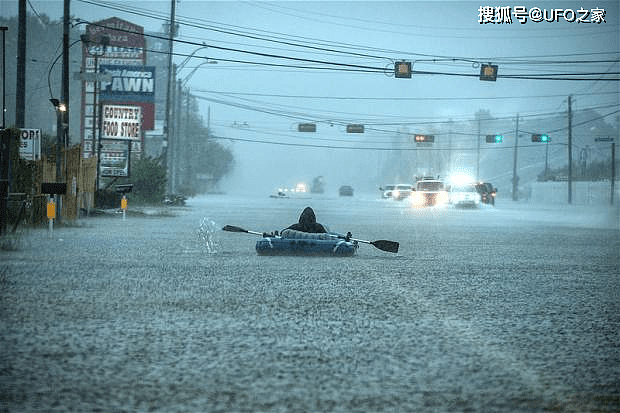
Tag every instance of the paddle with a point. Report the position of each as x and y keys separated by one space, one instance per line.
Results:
x=382 y=244
x=231 y=228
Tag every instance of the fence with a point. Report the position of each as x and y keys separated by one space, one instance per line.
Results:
x=79 y=175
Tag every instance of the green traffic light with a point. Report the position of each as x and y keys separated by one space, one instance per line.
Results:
x=499 y=138
x=544 y=138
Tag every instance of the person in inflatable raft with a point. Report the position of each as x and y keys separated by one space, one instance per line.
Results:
x=307 y=223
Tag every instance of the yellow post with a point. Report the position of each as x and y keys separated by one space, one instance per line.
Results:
x=51 y=214
x=51 y=209
x=124 y=206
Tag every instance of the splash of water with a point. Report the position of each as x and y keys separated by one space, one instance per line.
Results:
x=206 y=234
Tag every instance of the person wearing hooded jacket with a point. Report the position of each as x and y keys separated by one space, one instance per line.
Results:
x=307 y=222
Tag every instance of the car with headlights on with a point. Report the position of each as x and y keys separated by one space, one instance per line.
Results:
x=396 y=192
x=464 y=195
x=386 y=191
x=429 y=192
x=487 y=192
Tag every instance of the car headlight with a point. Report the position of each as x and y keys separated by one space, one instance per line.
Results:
x=417 y=199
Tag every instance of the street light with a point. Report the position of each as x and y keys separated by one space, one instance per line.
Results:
x=97 y=50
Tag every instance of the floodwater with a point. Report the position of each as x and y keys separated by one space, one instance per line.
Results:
x=505 y=309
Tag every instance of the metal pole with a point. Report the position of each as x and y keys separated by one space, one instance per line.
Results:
x=515 y=178
x=570 y=151
x=547 y=159
x=95 y=117
x=478 y=153
x=3 y=29
x=613 y=172
x=99 y=145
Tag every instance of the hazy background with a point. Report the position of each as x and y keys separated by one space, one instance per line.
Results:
x=257 y=92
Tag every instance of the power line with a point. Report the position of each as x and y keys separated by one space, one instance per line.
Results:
x=312 y=46
x=396 y=98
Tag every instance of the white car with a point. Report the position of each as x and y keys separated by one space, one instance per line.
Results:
x=397 y=192
x=429 y=193
x=464 y=195
x=386 y=191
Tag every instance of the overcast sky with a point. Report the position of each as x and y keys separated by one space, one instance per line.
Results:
x=262 y=98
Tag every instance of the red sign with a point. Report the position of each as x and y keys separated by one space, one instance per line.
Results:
x=120 y=32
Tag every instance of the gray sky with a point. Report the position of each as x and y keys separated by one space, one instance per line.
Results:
x=265 y=102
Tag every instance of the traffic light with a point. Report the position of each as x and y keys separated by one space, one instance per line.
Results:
x=306 y=127
x=488 y=72
x=355 y=128
x=402 y=69
x=425 y=138
x=540 y=138
x=495 y=138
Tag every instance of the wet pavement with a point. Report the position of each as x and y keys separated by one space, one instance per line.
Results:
x=506 y=309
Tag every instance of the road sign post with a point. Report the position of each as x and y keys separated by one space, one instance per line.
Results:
x=124 y=206
x=51 y=214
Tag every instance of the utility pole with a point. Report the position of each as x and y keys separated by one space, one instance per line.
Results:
x=66 y=27
x=613 y=172
x=167 y=127
x=20 y=98
x=173 y=142
x=3 y=29
x=478 y=153
x=62 y=123
x=515 y=178
x=570 y=151
x=4 y=144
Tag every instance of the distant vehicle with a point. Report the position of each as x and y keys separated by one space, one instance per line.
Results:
x=386 y=191
x=300 y=190
x=174 y=200
x=346 y=190
x=318 y=185
x=487 y=192
x=429 y=192
x=464 y=195
x=397 y=192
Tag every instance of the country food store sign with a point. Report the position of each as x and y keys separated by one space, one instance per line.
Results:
x=121 y=122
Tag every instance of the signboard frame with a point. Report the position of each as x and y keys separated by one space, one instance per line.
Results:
x=30 y=144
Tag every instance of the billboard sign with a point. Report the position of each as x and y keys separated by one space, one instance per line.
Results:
x=128 y=84
x=126 y=39
x=115 y=156
x=125 y=56
x=30 y=144
x=121 y=122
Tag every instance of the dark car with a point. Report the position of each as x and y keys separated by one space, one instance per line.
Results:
x=346 y=190
x=487 y=192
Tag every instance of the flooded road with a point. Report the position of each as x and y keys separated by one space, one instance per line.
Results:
x=506 y=309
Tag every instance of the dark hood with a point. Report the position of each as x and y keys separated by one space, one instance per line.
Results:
x=307 y=217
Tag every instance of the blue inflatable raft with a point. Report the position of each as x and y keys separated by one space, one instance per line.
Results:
x=302 y=243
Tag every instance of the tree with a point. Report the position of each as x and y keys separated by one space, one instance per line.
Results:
x=148 y=177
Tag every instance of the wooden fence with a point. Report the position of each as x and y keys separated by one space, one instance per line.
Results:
x=79 y=175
